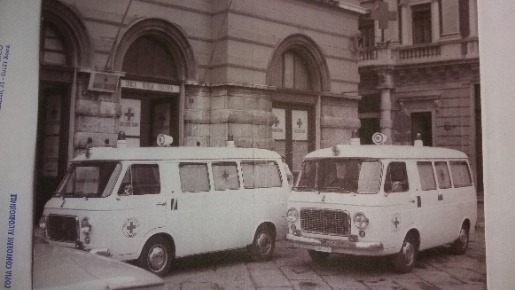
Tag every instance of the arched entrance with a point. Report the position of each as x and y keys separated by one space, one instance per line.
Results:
x=300 y=73
x=156 y=59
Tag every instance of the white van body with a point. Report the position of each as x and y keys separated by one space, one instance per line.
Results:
x=399 y=200
x=155 y=204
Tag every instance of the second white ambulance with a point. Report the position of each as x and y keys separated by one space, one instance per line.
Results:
x=378 y=200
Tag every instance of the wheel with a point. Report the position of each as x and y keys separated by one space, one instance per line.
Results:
x=404 y=261
x=156 y=256
x=317 y=256
x=263 y=246
x=461 y=244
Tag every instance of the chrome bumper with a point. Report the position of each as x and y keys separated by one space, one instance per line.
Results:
x=336 y=246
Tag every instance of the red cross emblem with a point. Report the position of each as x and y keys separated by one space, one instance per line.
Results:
x=130 y=227
x=396 y=221
x=129 y=114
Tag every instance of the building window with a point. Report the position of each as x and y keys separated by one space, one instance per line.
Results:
x=421 y=23
x=367 y=30
x=293 y=72
x=53 y=48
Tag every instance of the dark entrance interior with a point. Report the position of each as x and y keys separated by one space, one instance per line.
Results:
x=421 y=122
x=159 y=114
x=52 y=142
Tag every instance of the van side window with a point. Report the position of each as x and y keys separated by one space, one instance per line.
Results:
x=261 y=174
x=427 y=176
x=460 y=174
x=141 y=179
x=194 y=177
x=396 y=178
x=225 y=175
x=442 y=173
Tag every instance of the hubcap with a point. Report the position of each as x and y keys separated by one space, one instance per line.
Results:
x=409 y=252
x=157 y=258
x=264 y=244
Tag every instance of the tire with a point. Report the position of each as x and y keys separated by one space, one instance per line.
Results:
x=262 y=248
x=156 y=256
x=318 y=257
x=461 y=244
x=404 y=261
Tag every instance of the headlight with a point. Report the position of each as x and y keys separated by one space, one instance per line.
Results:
x=360 y=220
x=42 y=222
x=292 y=215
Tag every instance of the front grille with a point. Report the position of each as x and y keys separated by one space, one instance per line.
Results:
x=63 y=228
x=325 y=221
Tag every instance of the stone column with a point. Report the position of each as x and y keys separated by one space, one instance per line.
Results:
x=392 y=34
x=406 y=25
x=435 y=21
x=386 y=85
x=473 y=18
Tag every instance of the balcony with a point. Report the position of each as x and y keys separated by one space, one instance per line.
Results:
x=382 y=55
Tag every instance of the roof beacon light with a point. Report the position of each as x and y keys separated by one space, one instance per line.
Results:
x=164 y=140
x=379 y=138
x=418 y=141
x=121 y=142
x=230 y=141
x=354 y=139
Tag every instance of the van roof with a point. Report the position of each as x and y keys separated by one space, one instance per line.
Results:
x=388 y=152
x=177 y=153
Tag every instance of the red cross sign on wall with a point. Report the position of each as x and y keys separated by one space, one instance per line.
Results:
x=382 y=15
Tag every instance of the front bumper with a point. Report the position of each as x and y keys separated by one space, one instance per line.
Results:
x=337 y=246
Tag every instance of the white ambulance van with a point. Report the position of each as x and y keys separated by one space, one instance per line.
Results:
x=156 y=204
x=379 y=200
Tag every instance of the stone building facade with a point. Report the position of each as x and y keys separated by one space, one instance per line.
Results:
x=420 y=75
x=275 y=74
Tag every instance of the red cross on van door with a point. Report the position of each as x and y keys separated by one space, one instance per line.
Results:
x=383 y=15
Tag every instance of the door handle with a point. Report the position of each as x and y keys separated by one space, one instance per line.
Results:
x=440 y=197
x=412 y=201
x=161 y=203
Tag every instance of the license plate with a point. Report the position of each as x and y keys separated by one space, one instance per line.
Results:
x=323 y=249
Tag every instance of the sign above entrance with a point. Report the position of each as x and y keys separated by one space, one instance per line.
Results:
x=103 y=82
x=149 y=86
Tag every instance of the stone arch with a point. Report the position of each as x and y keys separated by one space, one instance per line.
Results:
x=74 y=32
x=172 y=37
x=310 y=52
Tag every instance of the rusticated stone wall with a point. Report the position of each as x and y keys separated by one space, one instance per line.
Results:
x=243 y=112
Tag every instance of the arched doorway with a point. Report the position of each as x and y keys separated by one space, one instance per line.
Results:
x=299 y=72
x=147 y=113
x=157 y=59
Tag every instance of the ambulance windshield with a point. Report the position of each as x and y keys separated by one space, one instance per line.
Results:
x=345 y=175
x=89 y=179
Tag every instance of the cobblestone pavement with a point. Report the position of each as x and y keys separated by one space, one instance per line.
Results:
x=292 y=268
